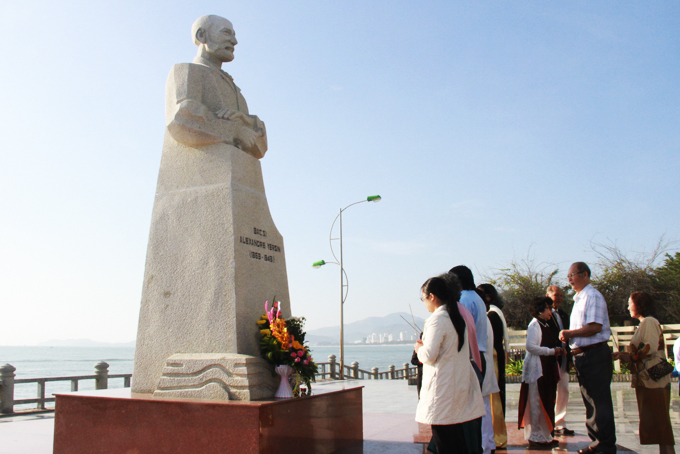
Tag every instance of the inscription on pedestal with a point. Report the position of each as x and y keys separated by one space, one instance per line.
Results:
x=268 y=248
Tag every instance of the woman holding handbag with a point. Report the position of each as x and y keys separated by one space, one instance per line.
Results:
x=651 y=379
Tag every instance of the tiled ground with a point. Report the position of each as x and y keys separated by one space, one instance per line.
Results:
x=389 y=407
x=625 y=409
x=389 y=427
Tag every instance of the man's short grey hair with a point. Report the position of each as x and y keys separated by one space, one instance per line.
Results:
x=204 y=22
x=582 y=268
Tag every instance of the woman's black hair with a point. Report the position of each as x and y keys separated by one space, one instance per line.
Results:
x=464 y=275
x=538 y=305
x=492 y=295
x=447 y=288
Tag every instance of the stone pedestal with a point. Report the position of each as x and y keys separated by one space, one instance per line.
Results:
x=214 y=258
x=115 y=421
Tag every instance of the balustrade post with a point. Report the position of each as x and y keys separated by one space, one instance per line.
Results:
x=407 y=371
x=41 y=394
x=375 y=373
x=616 y=348
x=7 y=388
x=331 y=360
x=392 y=372
x=355 y=369
x=101 y=370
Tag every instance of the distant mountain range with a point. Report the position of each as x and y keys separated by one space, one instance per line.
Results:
x=361 y=330
x=83 y=343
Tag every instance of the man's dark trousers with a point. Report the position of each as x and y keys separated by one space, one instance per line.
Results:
x=594 y=370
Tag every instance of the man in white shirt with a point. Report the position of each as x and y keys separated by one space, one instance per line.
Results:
x=559 y=322
x=588 y=336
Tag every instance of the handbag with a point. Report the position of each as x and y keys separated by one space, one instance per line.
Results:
x=660 y=370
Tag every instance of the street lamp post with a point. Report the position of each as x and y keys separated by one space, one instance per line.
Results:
x=344 y=284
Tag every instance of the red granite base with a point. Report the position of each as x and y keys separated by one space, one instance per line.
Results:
x=115 y=422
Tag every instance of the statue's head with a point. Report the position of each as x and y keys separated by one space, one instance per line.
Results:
x=215 y=38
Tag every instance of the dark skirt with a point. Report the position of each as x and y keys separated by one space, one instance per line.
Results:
x=463 y=438
x=655 y=421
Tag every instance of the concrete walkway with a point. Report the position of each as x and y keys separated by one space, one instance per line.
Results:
x=389 y=408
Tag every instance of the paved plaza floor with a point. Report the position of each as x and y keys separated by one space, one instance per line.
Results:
x=390 y=401
x=389 y=408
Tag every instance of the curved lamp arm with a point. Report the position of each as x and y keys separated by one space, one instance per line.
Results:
x=370 y=198
x=321 y=263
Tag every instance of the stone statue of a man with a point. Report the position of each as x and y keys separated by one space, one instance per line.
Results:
x=215 y=255
x=203 y=105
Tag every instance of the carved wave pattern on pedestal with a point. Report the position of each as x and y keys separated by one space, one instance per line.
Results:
x=239 y=379
x=212 y=373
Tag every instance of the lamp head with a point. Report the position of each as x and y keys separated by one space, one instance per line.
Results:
x=318 y=264
x=373 y=198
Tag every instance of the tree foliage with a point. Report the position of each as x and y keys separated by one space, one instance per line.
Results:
x=620 y=274
x=666 y=283
x=518 y=284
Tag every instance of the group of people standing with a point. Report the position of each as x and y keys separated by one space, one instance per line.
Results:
x=463 y=355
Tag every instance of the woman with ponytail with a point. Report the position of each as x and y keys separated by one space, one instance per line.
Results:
x=450 y=397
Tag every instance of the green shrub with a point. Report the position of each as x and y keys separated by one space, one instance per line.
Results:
x=624 y=369
x=514 y=367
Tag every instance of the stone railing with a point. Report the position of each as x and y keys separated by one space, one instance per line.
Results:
x=328 y=370
x=7 y=381
x=331 y=371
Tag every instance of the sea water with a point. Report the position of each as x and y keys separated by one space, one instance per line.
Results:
x=367 y=355
x=42 y=362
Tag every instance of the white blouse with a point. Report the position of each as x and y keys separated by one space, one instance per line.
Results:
x=532 y=369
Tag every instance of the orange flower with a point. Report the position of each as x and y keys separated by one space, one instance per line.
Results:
x=298 y=346
x=280 y=332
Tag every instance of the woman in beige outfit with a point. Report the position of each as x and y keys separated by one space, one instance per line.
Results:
x=450 y=397
x=647 y=349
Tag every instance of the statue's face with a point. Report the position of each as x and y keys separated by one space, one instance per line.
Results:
x=221 y=39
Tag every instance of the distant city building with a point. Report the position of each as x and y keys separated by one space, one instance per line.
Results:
x=384 y=338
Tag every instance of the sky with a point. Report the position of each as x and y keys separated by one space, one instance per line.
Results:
x=494 y=131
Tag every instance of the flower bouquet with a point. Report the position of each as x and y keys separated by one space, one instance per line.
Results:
x=282 y=343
